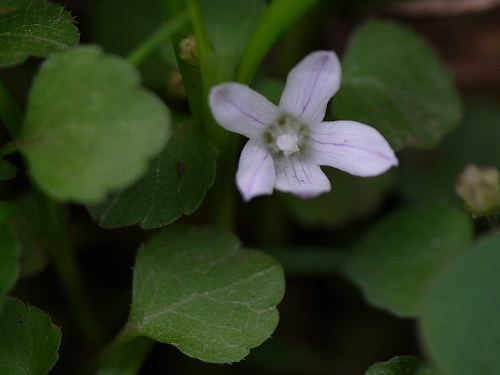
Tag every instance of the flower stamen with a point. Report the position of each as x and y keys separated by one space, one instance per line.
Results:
x=288 y=143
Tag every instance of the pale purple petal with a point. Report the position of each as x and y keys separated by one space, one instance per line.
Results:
x=255 y=175
x=240 y=109
x=310 y=85
x=352 y=147
x=300 y=178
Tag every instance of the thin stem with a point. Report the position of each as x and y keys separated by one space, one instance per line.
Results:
x=199 y=29
x=124 y=355
x=222 y=195
x=309 y=260
x=493 y=220
x=53 y=227
x=10 y=112
x=63 y=254
x=142 y=51
x=173 y=9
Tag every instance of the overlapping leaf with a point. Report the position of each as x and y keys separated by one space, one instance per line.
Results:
x=90 y=127
x=28 y=340
x=196 y=289
x=397 y=257
x=460 y=324
x=33 y=27
x=175 y=184
x=393 y=81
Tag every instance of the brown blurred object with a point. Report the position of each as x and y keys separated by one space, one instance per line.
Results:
x=466 y=34
x=418 y=8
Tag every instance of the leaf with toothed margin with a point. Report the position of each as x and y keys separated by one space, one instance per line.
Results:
x=196 y=289
x=28 y=340
x=34 y=27
x=175 y=184
x=404 y=365
x=90 y=127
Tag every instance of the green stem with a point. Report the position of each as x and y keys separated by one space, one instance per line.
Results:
x=141 y=52
x=203 y=43
x=309 y=260
x=10 y=112
x=279 y=15
x=55 y=235
x=63 y=254
x=124 y=355
x=222 y=195
x=173 y=9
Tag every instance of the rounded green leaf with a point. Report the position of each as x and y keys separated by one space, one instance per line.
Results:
x=404 y=365
x=90 y=127
x=395 y=260
x=175 y=184
x=196 y=289
x=34 y=27
x=28 y=340
x=460 y=323
x=393 y=81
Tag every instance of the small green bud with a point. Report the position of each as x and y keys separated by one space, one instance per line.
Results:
x=480 y=189
x=188 y=51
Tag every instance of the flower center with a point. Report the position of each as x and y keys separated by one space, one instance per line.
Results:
x=288 y=143
x=286 y=135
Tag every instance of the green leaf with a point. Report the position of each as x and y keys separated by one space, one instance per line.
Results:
x=396 y=258
x=33 y=27
x=404 y=365
x=394 y=82
x=351 y=198
x=28 y=340
x=7 y=170
x=175 y=184
x=460 y=324
x=430 y=175
x=9 y=262
x=196 y=289
x=90 y=127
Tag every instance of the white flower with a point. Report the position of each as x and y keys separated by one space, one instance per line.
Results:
x=289 y=142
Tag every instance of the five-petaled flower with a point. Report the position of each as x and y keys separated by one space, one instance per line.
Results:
x=288 y=143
